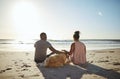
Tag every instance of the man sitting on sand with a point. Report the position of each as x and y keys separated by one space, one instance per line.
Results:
x=41 y=48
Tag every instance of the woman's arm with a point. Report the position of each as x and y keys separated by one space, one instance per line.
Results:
x=72 y=49
x=85 y=49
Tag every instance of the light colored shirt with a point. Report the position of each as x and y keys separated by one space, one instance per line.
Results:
x=41 y=49
x=79 y=55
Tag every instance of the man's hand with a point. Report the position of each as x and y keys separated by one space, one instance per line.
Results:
x=65 y=51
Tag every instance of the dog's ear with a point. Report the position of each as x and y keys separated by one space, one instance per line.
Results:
x=65 y=51
x=67 y=55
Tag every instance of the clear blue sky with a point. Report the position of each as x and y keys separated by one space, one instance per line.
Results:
x=96 y=19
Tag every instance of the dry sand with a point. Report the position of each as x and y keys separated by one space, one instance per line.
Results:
x=102 y=64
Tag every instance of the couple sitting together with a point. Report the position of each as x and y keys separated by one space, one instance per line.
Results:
x=77 y=53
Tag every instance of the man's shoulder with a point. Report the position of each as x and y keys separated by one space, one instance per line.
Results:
x=42 y=41
x=37 y=41
x=47 y=41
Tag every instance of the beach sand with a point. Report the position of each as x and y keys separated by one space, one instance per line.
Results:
x=102 y=64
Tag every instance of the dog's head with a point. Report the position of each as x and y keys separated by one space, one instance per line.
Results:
x=66 y=53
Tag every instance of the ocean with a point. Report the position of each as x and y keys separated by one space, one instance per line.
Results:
x=28 y=45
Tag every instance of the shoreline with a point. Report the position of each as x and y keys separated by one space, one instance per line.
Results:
x=20 y=65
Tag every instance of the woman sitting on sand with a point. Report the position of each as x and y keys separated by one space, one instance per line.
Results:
x=78 y=51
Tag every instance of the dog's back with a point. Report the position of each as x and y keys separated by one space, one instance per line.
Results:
x=56 y=61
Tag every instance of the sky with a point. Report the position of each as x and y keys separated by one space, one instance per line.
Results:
x=26 y=19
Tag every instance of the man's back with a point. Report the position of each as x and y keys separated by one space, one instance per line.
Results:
x=41 y=49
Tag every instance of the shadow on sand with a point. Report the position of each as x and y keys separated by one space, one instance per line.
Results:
x=76 y=72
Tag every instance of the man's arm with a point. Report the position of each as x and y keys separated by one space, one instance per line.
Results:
x=54 y=50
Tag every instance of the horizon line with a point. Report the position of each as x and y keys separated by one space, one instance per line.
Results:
x=61 y=39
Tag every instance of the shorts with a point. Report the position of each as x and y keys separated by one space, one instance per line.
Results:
x=39 y=61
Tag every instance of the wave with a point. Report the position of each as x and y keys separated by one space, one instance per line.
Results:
x=94 y=44
x=86 y=41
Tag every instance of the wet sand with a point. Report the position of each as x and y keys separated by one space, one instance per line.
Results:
x=102 y=64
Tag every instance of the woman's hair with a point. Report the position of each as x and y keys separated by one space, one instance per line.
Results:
x=76 y=35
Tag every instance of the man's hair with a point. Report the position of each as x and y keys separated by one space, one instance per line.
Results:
x=43 y=33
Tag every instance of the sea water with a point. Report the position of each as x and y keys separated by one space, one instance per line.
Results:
x=28 y=45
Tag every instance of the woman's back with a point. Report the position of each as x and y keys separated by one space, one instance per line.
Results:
x=79 y=55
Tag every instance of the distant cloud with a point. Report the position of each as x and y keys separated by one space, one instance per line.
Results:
x=100 y=13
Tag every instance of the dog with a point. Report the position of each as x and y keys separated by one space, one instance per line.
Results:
x=57 y=60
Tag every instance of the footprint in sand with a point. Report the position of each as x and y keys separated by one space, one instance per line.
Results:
x=116 y=63
x=111 y=51
x=1 y=71
x=103 y=61
x=24 y=69
x=25 y=65
x=107 y=57
x=8 y=68
x=90 y=61
x=27 y=54
x=22 y=75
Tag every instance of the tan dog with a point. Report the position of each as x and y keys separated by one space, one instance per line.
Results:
x=57 y=60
